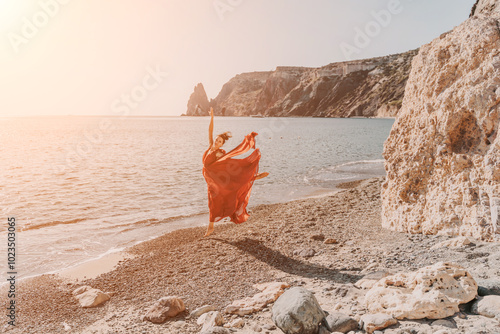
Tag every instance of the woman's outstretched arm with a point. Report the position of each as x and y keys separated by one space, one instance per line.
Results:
x=211 y=128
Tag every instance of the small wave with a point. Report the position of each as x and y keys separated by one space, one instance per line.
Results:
x=152 y=221
x=145 y=222
x=350 y=163
x=52 y=223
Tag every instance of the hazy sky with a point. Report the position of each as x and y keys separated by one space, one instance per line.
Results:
x=144 y=57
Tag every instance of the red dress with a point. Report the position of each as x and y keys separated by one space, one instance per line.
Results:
x=230 y=180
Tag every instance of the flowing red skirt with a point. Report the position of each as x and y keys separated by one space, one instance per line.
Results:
x=230 y=181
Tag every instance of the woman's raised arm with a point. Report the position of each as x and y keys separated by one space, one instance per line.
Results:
x=211 y=128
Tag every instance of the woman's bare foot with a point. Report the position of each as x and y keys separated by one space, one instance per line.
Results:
x=210 y=229
x=261 y=175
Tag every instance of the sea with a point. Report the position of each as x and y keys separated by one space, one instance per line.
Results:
x=80 y=187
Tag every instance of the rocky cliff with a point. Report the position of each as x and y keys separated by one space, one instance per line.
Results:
x=443 y=152
x=198 y=104
x=369 y=87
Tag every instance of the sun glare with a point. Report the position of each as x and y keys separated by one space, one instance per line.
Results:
x=12 y=13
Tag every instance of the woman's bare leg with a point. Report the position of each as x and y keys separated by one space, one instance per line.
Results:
x=261 y=175
x=210 y=229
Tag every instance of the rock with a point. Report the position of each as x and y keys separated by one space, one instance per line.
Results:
x=330 y=241
x=216 y=330
x=179 y=324
x=306 y=252
x=369 y=87
x=256 y=328
x=198 y=104
x=368 y=281
x=269 y=293
x=488 y=306
x=237 y=323
x=486 y=7
x=442 y=331
x=339 y=322
x=432 y=292
x=488 y=287
x=164 y=308
x=318 y=237
x=443 y=151
x=323 y=330
x=297 y=312
x=201 y=310
x=444 y=323
x=268 y=327
x=90 y=297
x=458 y=242
x=373 y=322
x=210 y=319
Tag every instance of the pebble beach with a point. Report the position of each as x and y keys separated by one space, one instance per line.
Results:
x=324 y=245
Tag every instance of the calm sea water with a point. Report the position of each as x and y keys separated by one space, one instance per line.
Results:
x=83 y=186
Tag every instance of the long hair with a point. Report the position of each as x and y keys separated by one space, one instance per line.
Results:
x=225 y=136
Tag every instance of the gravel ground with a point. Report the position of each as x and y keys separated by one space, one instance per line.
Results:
x=275 y=244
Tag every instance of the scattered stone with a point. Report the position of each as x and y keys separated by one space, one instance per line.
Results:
x=297 y=312
x=339 y=322
x=90 y=297
x=368 y=281
x=216 y=330
x=488 y=306
x=373 y=322
x=269 y=293
x=488 y=287
x=256 y=328
x=236 y=323
x=307 y=252
x=318 y=237
x=179 y=324
x=323 y=330
x=164 y=308
x=210 y=319
x=444 y=323
x=370 y=268
x=66 y=326
x=269 y=327
x=442 y=331
x=432 y=292
x=330 y=241
x=458 y=242
x=201 y=310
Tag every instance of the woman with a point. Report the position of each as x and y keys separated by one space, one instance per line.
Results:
x=229 y=180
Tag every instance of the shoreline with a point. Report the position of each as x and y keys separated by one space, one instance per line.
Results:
x=280 y=242
x=108 y=260
x=106 y=263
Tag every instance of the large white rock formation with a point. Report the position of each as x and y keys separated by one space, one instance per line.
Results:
x=432 y=292
x=443 y=154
